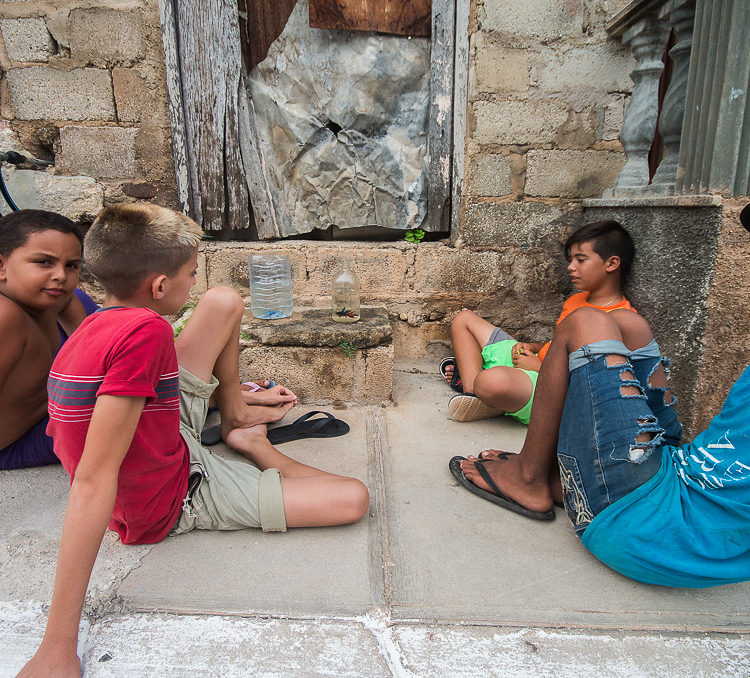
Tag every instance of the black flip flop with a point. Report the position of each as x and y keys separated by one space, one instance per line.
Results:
x=455 y=382
x=496 y=496
x=326 y=426
x=211 y=435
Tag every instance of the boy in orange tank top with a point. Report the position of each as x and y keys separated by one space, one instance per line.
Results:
x=497 y=374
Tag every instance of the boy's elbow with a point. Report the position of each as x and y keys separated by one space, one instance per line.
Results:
x=91 y=484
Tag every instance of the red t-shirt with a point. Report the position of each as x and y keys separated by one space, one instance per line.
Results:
x=579 y=300
x=125 y=352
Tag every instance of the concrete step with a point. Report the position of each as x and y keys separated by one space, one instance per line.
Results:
x=322 y=361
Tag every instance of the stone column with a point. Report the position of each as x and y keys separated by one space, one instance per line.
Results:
x=680 y=15
x=647 y=39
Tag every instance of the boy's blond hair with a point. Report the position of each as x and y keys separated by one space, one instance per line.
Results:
x=127 y=243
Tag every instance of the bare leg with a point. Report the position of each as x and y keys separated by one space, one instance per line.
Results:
x=505 y=388
x=312 y=497
x=209 y=344
x=525 y=477
x=470 y=334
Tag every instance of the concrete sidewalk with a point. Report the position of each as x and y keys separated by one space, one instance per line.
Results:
x=434 y=582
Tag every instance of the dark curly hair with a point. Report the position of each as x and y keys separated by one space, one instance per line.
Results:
x=15 y=228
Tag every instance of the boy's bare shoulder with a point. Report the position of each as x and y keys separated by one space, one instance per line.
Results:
x=12 y=315
x=20 y=331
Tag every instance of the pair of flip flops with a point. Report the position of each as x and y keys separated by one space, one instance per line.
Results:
x=309 y=425
x=455 y=381
x=496 y=496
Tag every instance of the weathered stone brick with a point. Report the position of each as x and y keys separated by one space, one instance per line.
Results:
x=131 y=94
x=571 y=174
x=501 y=70
x=604 y=67
x=380 y=269
x=520 y=225
x=538 y=19
x=614 y=112
x=106 y=152
x=105 y=36
x=441 y=268
x=27 y=39
x=39 y=93
x=519 y=122
x=142 y=190
x=489 y=175
x=321 y=374
x=227 y=265
x=78 y=198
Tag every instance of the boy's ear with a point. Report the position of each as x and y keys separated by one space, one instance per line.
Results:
x=2 y=267
x=612 y=263
x=158 y=286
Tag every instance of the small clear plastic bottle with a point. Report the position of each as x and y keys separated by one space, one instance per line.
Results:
x=345 y=296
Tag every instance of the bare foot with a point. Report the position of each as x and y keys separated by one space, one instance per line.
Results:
x=555 y=484
x=448 y=373
x=508 y=473
x=252 y=443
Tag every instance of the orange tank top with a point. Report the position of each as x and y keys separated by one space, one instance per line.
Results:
x=578 y=301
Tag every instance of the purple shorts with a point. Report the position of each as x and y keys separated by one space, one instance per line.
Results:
x=33 y=448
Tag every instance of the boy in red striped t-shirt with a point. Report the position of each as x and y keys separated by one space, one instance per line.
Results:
x=127 y=405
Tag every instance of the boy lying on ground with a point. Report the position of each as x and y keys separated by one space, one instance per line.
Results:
x=40 y=259
x=127 y=404
x=497 y=374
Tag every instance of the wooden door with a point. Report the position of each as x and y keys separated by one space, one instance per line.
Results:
x=218 y=159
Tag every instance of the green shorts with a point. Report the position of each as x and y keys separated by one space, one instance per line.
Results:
x=223 y=494
x=499 y=355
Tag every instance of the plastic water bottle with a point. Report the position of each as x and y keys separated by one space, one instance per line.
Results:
x=345 y=296
x=270 y=286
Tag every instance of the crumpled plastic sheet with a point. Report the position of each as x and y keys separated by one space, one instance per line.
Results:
x=342 y=118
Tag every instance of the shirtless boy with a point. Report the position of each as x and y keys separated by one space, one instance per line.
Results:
x=40 y=258
x=497 y=374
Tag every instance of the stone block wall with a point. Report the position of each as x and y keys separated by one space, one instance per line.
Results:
x=726 y=349
x=82 y=84
x=547 y=91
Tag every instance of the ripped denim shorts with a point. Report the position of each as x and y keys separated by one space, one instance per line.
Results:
x=599 y=456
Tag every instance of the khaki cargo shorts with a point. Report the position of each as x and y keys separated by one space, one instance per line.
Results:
x=222 y=494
